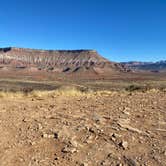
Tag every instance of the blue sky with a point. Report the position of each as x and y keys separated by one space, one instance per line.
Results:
x=120 y=30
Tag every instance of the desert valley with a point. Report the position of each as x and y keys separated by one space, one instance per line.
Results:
x=76 y=108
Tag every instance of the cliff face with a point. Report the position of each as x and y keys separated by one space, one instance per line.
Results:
x=60 y=60
x=147 y=66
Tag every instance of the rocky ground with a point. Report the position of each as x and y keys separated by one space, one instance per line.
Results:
x=98 y=129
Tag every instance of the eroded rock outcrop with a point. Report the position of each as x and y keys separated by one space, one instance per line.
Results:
x=58 y=60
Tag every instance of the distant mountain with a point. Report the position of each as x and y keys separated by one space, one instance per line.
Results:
x=61 y=61
x=146 y=66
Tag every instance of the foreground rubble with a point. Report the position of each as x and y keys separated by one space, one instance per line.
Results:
x=100 y=129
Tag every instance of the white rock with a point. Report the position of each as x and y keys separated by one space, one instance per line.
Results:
x=124 y=144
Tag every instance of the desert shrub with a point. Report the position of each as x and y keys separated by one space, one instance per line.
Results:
x=133 y=88
x=142 y=88
x=163 y=89
x=68 y=90
x=50 y=68
x=27 y=90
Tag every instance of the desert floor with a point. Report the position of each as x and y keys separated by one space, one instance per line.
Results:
x=93 y=129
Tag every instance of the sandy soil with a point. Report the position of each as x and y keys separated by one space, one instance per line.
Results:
x=109 y=129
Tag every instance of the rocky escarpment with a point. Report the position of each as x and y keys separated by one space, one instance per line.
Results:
x=60 y=60
x=159 y=66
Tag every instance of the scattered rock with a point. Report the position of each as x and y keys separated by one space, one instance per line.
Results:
x=92 y=130
x=84 y=164
x=124 y=144
x=67 y=149
x=74 y=143
x=124 y=123
x=165 y=152
x=105 y=163
x=54 y=135
x=89 y=139
x=98 y=119
x=115 y=135
x=65 y=133
x=130 y=162
x=40 y=126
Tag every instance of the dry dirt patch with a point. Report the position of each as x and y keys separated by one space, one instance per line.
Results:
x=98 y=128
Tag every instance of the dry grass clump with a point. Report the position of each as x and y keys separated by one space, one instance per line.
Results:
x=62 y=91
x=69 y=91
x=38 y=93
x=72 y=91
x=11 y=94
x=103 y=92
